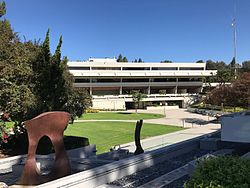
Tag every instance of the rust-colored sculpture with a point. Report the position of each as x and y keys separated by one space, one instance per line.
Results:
x=51 y=124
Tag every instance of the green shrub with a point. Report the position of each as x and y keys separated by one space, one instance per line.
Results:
x=221 y=172
x=90 y=110
x=3 y=133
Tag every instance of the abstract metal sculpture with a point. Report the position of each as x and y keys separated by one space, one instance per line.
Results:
x=51 y=124
x=139 y=149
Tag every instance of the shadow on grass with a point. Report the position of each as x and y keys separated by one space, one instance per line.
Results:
x=127 y=113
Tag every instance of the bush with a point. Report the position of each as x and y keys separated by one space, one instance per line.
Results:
x=90 y=110
x=3 y=133
x=3 y=130
x=221 y=172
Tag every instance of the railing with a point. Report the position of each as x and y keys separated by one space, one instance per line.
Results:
x=148 y=96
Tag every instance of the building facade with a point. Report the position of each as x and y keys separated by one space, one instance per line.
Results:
x=111 y=83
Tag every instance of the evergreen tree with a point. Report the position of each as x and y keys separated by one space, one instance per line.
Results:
x=246 y=66
x=200 y=61
x=33 y=81
x=2 y=9
x=140 y=60
x=233 y=67
x=135 y=61
x=166 y=61
x=124 y=59
x=119 y=58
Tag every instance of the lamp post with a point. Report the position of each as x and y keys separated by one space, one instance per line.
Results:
x=234 y=41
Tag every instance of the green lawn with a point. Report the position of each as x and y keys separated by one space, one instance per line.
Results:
x=119 y=116
x=107 y=134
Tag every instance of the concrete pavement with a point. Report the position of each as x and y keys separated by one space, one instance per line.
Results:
x=172 y=138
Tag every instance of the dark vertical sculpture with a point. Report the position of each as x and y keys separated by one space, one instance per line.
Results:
x=51 y=124
x=139 y=149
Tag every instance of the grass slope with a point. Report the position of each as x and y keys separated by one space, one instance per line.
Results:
x=119 y=116
x=107 y=134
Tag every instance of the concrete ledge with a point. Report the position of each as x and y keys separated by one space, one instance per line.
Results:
x=210 y=144
x=113 y=171
x=7 y=163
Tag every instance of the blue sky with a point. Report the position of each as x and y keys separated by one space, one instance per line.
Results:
x=154 y=30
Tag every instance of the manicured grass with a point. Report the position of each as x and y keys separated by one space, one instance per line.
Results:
x=119 y=116
x=107 y=134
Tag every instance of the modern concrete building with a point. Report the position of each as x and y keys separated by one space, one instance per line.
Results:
x=111 y=83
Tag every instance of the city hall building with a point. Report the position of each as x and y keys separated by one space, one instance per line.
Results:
x=111 y=83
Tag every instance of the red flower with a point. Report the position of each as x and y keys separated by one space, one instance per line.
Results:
x=5 y=137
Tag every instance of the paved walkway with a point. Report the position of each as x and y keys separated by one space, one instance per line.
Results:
x=172 y=138
x=198 y=125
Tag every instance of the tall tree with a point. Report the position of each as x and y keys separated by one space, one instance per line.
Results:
x=200 y=61
x=236 y=94
x=119 y=59
x=16 y=76
x=2 y=9
x=166 y=61
x=137 y=98
x=246 y=66
x=233 y=67
x=140 y=60
x=31 y=79
x=124 y=59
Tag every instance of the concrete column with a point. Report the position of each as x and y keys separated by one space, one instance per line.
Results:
x=121 y=86
x=121 y=90
x=90 y=88
x=149 y=87
x=176 y=86
x=176 y=89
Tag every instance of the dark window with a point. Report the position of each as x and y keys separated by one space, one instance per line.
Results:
x=79 y=68
x=81 y=80
x=135 y=80
x=189 y=79
x=164 y=80
x=164 y=68
x=135 y=68
x=105 y=80
x=106 y=68
x=191 y=68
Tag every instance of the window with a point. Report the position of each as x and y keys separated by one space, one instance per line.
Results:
x=106 y=68
x=189 y=79
x=104 y=80
x=191 y=68
x=135 y=68
x=82 y=80
x=164 y=80
x=135 y=80
x=164 y=68
x=79 y=68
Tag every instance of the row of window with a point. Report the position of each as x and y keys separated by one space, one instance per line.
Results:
x=136 y=68
x=111 y=80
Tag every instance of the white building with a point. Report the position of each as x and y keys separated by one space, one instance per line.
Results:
x=111 y=83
